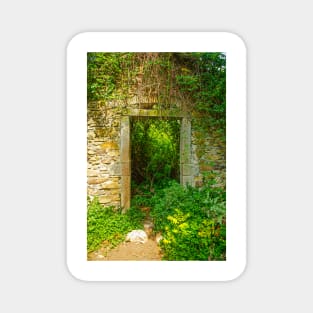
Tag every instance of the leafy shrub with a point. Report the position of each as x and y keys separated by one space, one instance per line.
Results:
x=155 y=151
x=193 y=238
x=110 y=225
x=192 y=222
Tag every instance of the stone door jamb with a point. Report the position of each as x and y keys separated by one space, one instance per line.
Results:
x=186 y=168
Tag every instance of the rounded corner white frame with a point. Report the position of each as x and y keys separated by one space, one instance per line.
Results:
x=235 y=50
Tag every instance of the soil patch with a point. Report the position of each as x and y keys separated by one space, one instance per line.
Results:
x=128 y=251
x=131 y=251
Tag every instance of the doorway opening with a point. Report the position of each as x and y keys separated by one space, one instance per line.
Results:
x=180 y=130
x=155 y=153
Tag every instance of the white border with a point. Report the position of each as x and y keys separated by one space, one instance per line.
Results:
x=77 y=50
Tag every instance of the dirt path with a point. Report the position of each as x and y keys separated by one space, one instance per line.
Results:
x=128 y=251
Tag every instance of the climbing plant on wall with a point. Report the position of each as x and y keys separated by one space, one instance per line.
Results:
x=198 y=80
x=203 y=80
x=192 y=82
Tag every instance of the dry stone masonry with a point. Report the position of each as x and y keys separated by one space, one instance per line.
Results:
x=108 y=155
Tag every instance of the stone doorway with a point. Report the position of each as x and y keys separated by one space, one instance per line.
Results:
x=185 y=165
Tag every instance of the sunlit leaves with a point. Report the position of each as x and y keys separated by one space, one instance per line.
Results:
x=155 y=150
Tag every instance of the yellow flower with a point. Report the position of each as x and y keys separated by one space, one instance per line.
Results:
x=183 y=225
x=172 y=219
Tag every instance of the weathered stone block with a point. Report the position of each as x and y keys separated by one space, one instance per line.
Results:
x=92 y=173
x=198 y=181
x=125 y=139
x=125 y=168
x=105 y=199
x=106 y=161
x=115 y=169
x=187 y=169
x=110 y=185
x=187 y=180
x=109 y=145
x=95 y=192
x=125 y=195
x=185 y=141
x=205 y=167
x=113 y=153
x=93 y=181
x=115 y=191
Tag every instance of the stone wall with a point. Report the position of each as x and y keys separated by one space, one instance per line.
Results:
x=209 y=151
x=108 y=170
x=103 y=155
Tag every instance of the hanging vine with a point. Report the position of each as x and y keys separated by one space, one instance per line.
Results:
x=193 y=82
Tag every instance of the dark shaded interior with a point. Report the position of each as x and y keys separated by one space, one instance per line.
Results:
x=154 y=152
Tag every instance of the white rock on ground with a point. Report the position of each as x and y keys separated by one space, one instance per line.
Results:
x=137 y=235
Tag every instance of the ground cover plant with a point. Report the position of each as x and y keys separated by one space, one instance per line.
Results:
x=109 y=225
x=192 y=221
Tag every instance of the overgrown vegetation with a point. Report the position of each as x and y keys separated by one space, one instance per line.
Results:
x=195 y=80
x=108 y=225
x=155 y=152
x=192 y=221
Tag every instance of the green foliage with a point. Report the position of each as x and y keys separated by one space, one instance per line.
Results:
x=189 y=237
x=188 y=83
x=198 y=80
x=103 y=71
x=155 y=151
x=212 y=96
x=203 y=79
x=110 y=225
x=192 y=222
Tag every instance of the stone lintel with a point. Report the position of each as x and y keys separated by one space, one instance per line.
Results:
x=155 y=113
